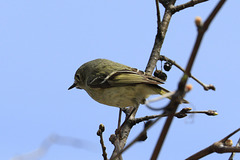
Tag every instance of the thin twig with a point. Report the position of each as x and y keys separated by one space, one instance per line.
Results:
x=146 y=118
x=119 y=118
x=233 y=153
x=161 y=32
x=125 y=121
x=181 y=114
x=158 y=15
x=205 y=87
x=191 y=3
x=208 y=112
x=218 y=147
x=100 y=134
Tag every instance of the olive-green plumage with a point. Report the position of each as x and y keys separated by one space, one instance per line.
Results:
x=115 y=84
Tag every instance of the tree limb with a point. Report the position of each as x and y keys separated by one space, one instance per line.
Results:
x=218 y=147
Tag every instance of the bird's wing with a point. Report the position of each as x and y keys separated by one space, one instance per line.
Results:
x=124 y=78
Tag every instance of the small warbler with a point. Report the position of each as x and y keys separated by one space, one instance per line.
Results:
x=115 y=84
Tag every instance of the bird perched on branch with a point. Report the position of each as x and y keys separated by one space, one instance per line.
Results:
x=115 y=84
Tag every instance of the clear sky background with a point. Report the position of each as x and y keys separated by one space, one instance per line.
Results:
x=42 y=43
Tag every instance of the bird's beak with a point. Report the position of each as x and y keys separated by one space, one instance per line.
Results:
x=72 y=86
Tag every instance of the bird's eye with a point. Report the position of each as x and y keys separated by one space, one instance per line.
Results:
x=77 y=77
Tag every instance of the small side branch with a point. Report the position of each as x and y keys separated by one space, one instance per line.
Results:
x=191 y=3
x=158 y=15
x=233 y=153
x=161 y=32
x=181 y=114
x=205 y=87
x=222 y=146
x=99 y=133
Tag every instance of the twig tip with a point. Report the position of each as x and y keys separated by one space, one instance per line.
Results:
x=211 y=113
x=210 y=86
x=102 y=127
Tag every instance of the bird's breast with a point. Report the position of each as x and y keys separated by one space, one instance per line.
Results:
x=124 y=96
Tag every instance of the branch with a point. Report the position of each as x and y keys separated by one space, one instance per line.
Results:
x=191 y=3
x=181 y=114
x=116 y=153
x=161 y=32
x=136 y=139
x=233 y=153
x=119 y=139
x=221 y=146
x=99 y=133
x=205 y=87
x=158 y=15
x=171 y=107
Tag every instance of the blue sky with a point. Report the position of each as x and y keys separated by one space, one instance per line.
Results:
x=44 y=42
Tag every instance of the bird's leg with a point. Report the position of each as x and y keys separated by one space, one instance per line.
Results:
x=119 y=118
x=130 y=114
x=118 y=130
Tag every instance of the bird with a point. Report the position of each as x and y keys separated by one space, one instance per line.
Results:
x=115 y=84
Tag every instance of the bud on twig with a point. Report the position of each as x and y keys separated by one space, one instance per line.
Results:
x=198 y=21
